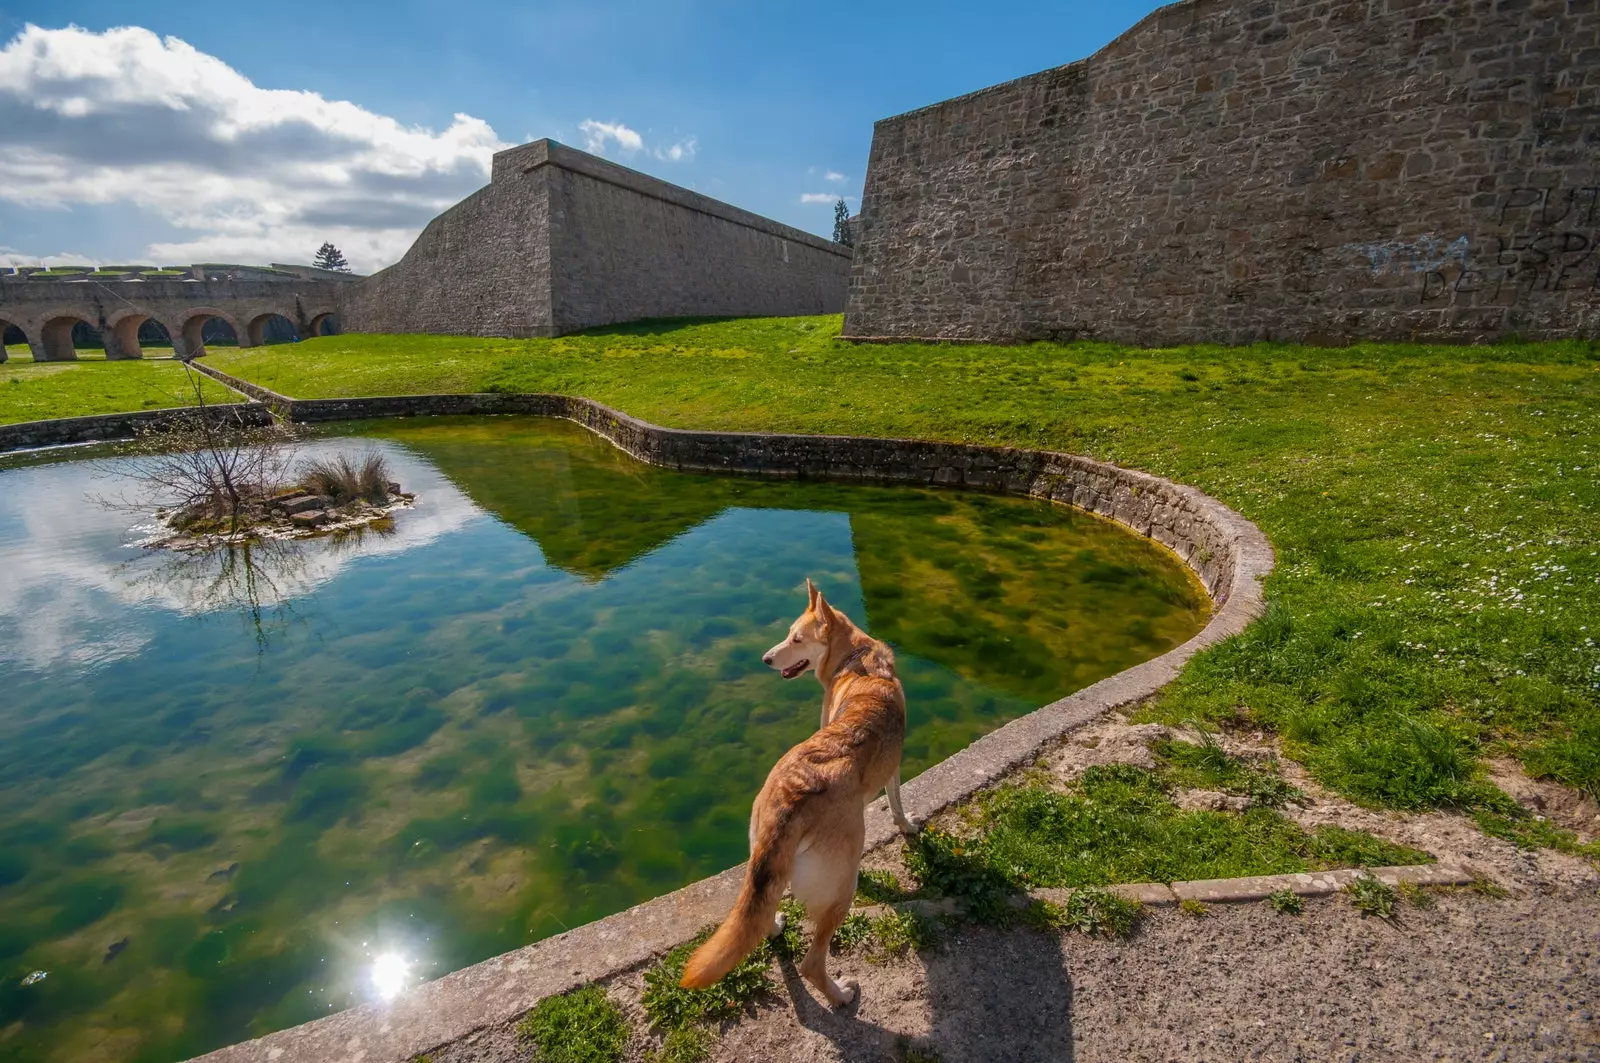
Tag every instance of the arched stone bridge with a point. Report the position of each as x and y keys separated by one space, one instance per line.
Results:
x=47 y=311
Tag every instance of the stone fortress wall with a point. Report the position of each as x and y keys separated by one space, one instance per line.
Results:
x=1238 y=170
x=560 y=240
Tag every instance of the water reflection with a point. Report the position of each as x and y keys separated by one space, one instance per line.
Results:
x=71 y=574
x=536 y=701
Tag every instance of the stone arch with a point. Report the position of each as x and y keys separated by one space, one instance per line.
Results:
x=261 y=329
x=325 y=319
x=188 y=339
x=55 y=336
x=11 y=334
x=122 y=333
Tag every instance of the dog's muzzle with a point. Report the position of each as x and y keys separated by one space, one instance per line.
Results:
x=795 y=669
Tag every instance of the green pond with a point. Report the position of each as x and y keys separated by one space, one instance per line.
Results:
x=242 y=790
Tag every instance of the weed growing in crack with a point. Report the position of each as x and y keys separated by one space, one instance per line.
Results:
x=1088 y=911
x=1415 y=895
x=884 y=937
x=584 y=1026
x=1193 y=908
x=1488 y=887
x=1286 y=902
x=1372 y=896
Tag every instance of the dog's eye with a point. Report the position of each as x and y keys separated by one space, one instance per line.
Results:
x=794 y=638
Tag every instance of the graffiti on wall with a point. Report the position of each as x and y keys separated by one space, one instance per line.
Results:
x=1427 y=253
x=1549 y=243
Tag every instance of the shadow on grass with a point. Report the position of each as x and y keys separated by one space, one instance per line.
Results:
x=655 y=326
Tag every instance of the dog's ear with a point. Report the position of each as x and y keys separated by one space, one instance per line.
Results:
x=811 y=594
x=824 y=613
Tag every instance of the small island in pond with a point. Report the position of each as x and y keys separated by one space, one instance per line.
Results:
x=325 y=496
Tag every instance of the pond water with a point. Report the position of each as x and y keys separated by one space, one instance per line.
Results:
x=235 y=786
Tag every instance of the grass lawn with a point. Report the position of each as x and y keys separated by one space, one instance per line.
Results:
x=31 y=391
x=1434 y=508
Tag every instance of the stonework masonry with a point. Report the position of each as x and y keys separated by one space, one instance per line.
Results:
x=46 y=311
x=560 y=240
x=1237 y=170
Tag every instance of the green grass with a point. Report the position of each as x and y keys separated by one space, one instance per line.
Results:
x=1205 y=766
x=1117 y=824
x=584 y=1026
x=1433 y=508
x=37 y=391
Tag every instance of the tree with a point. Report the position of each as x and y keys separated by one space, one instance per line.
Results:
x=330 y=257
x=841 y=224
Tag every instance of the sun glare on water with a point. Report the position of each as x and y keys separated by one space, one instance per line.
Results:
x=390 y=973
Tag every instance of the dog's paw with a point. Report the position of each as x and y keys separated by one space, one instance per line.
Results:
x=909 y=829
x=848 y=994
x=779 y=921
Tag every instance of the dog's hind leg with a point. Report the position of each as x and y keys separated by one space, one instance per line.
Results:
x=815 y=965
x=824 y=880
x=895 y=808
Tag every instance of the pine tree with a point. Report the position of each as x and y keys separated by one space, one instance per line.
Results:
x=330 y=257
x=841 y=224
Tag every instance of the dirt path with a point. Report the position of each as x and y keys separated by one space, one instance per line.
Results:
x=1475 y=978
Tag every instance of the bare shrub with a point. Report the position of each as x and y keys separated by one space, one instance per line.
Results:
x=211 y=465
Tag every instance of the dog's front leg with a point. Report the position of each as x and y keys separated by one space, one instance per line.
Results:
x=895 y=809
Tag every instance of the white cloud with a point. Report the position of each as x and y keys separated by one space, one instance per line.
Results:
x=596 y=135
x=821 y=197
x=679 y=152
x=834 y=176
x=10 y=256
x=256 y=174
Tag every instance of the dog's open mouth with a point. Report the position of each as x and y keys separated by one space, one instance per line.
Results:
x=796 y=668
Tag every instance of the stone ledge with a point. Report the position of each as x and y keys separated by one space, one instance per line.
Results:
x=1315 y=883
x=1210 y=891
x=1228 y=553
x=108 y=427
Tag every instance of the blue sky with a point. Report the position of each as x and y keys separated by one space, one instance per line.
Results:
x=130 y=147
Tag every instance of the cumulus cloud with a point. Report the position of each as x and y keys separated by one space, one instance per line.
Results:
x=596 y=135
x=834 y=176
x=11 y=257
x=256 y=174
x=821 y=197
x=599 y=136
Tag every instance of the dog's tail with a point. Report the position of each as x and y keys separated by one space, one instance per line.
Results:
x=771 y=861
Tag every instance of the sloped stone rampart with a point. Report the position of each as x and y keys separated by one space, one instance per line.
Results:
x=1227 y=552
x=560 y=240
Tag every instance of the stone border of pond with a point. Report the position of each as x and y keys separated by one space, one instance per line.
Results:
x=106 y=427
x=1228 y=553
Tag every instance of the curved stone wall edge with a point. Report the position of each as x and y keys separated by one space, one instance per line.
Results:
x=1229 y=554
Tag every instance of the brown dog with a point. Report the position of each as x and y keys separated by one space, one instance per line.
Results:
x=809 y=820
